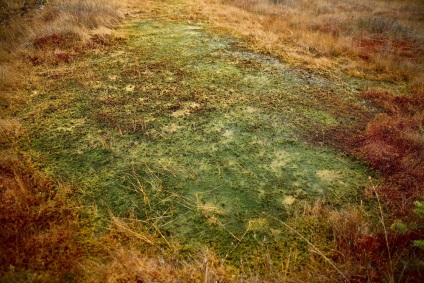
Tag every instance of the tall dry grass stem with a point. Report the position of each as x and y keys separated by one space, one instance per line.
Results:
x=386 y=238
x=317 y=250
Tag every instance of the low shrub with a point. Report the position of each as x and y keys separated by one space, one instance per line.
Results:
x=38 y=226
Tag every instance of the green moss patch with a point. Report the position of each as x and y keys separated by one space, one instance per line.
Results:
x=187 y=128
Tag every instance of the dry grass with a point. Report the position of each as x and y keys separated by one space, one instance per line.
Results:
x=377 y=39
x=42 y=236
x=128 y=257
x=37 y=226
x=49 y=32
x=380 y=39
x=38 y=240
x=56 y=17
x=45 y=239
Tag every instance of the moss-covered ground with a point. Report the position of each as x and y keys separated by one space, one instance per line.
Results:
x=205 y=140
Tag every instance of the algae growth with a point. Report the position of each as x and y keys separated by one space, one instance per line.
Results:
x=189 y=128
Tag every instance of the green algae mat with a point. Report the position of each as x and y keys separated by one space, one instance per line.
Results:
x=186 y=127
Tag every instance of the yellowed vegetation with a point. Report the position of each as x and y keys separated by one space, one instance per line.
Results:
x=318 y=35
x=46 y=32
x=378 y=39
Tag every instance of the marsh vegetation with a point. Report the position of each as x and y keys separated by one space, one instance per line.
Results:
x=227 y=140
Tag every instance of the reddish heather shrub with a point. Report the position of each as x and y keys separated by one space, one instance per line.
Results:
x=53 y=41
x=393 y=144
x=37 y=226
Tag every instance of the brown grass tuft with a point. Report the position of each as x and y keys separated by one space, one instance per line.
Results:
x=37 y=225
x=42 y=239
x=49 y=32
x=131 y=265
x=380 y=39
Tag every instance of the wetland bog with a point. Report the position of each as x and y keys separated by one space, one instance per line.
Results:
x=187 y=127
x=179 y=143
